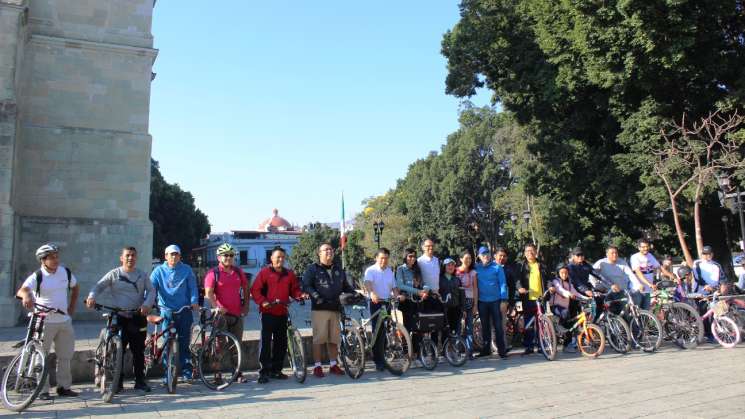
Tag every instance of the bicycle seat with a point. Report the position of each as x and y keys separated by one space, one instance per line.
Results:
x=359 y=307
x=154 y=319
x=106 y=315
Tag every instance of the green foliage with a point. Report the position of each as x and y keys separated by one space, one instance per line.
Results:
x=593 y=82
x=174 y=216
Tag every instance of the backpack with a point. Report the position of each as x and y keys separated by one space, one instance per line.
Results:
x=40 y=277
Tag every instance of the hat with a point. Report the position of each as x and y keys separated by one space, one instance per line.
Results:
x=483 y=250
x=577 y=251
x=447 y=261
x=706 y=250
x=561 y=266
x=173 y=249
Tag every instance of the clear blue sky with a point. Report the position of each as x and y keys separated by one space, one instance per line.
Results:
x=285 y=104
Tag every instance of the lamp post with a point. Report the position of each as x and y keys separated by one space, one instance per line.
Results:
x=726 y=187
x=725 y=222
x=378 y=227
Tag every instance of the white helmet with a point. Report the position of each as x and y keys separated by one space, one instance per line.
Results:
x=45 y=250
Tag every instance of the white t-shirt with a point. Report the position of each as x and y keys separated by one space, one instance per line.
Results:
x=53 y=291
x=710 y=273
x=430 y=271
x=383 y=281
x=647 y=264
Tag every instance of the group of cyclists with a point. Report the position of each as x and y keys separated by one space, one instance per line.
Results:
x=475 y=294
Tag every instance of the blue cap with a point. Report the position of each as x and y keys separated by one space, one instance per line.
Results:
x=173 y=249
x=448 y=261
x=483 y=250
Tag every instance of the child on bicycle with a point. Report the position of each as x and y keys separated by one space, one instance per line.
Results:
x=564 y=303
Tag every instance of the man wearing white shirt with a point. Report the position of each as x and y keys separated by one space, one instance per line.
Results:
x=430 y=266
x=644 y=265
x=707 y=273
x=380 y=283
x=50 y=286
x=615 y=272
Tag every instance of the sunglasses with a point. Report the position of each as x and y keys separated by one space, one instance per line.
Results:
x=228 y=255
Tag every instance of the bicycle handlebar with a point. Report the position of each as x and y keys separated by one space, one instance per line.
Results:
x=115 y=309
x=45 y=309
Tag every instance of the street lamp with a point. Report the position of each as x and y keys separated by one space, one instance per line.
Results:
x=378 y=227
x=513 y=217
x=526 y=216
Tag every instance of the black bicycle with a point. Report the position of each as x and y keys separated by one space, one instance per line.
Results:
x=24 y=376
x=216 y=354
x=107 y=372
x=351 y=343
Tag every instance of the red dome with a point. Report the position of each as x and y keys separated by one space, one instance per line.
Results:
x=275 y=223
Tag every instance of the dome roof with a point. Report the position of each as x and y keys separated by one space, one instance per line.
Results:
x=275 y=222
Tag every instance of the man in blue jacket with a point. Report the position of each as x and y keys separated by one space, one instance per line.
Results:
x=492 y=285
x=176 y=287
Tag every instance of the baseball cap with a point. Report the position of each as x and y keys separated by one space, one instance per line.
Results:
x=577 y=251
x=484 y=250
x=706 y=250
x=173 y=249
x=448 y=261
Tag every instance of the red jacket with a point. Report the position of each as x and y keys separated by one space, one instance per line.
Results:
x=271 y=285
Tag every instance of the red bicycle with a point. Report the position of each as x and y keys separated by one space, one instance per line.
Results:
x=161 y=345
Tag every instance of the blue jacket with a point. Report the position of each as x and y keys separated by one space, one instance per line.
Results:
x=176 y=287
x=492 y=282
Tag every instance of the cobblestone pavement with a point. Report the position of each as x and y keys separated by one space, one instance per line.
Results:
x=708 y=382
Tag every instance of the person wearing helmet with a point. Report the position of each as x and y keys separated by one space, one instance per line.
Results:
x=54 y=285
x=226 y=288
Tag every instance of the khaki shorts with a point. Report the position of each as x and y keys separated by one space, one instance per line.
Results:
x=325 y=326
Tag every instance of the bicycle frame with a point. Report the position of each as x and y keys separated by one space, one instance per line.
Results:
x=34 y=332
x=382 y=314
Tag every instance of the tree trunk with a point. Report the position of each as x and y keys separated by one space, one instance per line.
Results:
x=679 y=231
x=697 y=218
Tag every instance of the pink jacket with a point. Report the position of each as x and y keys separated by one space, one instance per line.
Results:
x=563 y=290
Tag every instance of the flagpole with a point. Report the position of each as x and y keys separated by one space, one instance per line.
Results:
x=342 y=227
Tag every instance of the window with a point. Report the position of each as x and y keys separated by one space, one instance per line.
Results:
x=243 y=257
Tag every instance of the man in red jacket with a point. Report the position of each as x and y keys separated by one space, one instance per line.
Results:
x=272 y=290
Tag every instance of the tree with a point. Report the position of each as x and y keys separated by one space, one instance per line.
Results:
x=174 y=216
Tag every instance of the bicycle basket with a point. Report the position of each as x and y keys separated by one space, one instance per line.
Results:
x=350 y=299
x=721 y=308
x=429 y=322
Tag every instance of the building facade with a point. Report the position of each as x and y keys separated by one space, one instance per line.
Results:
x=74 y=143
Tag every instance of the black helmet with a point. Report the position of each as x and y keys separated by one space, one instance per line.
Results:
x=560 y=267
x=683 y=271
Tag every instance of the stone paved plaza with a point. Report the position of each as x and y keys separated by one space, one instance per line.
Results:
x=708 y=382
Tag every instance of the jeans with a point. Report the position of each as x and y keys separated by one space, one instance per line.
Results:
x=183 y=322
x=490 y=314
x=530 y=308
x=643 y=300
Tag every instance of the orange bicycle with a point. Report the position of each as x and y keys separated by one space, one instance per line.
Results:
x=590 y=338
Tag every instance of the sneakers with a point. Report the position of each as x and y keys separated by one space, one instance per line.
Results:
x=278 y=375
x=528 y=351
x=143 y=386
x=45 y=396
x=380 y=367
x=187 y=375
x=66 y=392
x=318 y=372
x=263 y=379
x=336 y=370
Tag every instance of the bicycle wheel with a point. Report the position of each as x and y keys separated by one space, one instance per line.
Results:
x=219 y=361
x=24 y=377
x=478 y=336
x=546 y=337
x=646 y=331
x=397 y=357
x=685 y=325
x=739 y=317
x=296 y=354
x=618 y=333
x=98 y=359
x=456 y=350
x=725 y=331
x=428 y=354
x=111 y=368
x=591 y=341
x=352 y=351
x=171 y=360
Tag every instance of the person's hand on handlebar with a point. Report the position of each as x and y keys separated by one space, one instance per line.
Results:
x=522 y=290
x=423 y=294
x=588 y=293
x=708 y=289
x=195 y=307
x=615 y=288
x=28 y=301
x=552 y=290
x=90 y=302
x=374 y=298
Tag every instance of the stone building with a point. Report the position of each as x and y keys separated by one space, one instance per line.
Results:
x=74 y=144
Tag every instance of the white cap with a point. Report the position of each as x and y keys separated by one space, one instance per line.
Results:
x=173 y=249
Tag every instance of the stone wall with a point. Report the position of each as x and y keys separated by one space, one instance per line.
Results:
x=74 y=115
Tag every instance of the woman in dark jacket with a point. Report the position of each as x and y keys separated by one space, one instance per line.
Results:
x=452 y=294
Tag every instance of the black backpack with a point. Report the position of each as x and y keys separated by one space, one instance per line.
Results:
x=40 y=277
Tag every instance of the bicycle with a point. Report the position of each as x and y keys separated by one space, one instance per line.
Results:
x=107 y=372
x=723 y=328
x=351 y=345
x=590 y=337
x=615 y=328
x=398 y=355
x=646 y=329
x=681 y=323
x=216 y=354
x=295 y=351
x=453 y=346
x=168 y=347
x=24 y=376
x=543 y=326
